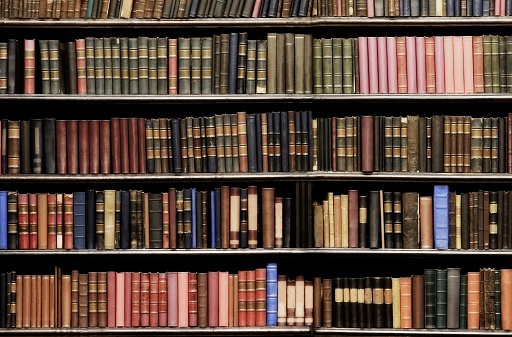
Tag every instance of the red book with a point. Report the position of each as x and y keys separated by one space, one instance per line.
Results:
x=392 y=66
x=364 y=76
x=373 y=65
x=183 y=299
x=133 y=137
x=83 y=146
x=81 y=67
x=61 y=150
x=30 y=66
x=366 y=144
x=141 y=126
x=172 y=217
x=213 y=298
x=172 y=299
x=449 y=79
x=153 y=299
x=52 y=221
x=124 y=145
x=421 y=69
x=128 y=299
x=242 y=298
x=458 y=64
x=136 y=299
x=115 y=145
x=382 y=64
x=192 y=299
x=72 y=146
x=173 y=66
x=430 y=67
x=32 y=218
x=162 y=299
x=68 y=220
x=439 y=63
x=410 y=46
x=223 y=298
x=261 y=297
x=23 y=222
x=111 y=299
x=469 y=86
x=256 y=8
x=251 y=298
x=104 y=144
x=94 y=146
x=144 y=299
x=120 y=306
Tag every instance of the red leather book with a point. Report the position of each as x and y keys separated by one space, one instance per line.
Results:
x=251 y=298
x=141 y=131
x=165 y=220
x=401 y=57
x=136 y=299
x=81 y=67
x=172 y=217
x=42 y=220
x=111 y=299
x=406 y=302
x=72 y=146
x=32 y=218
x=172 y=299
x=104 y=146
x=68 y=220
x=173 y=66
x=144 y=299
x=242 y=298
x=115 y=145
x=153 y=299
x=125 y=145
x=128 y=299
x=430 y=68
x=261 y=297
x=52 y=221
x=61 y=148
x=133 y=138
x=23 y=222
x=83 y=146
x=367 y=143
x=120 y=306
x=223 y=298
x=30 y=66
x=162 y=299
x=183 y=299
x=192 y=299
x=94 y=146
x=474 y=293
x=213 y=298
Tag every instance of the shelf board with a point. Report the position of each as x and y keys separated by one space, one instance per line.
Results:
x=248 y=23
x=346 y=252
x=408 y=332
x=392 y=177
x=261 y=98
x=146 y=331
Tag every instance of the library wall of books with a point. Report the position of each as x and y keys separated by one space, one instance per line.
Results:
x=255 y=168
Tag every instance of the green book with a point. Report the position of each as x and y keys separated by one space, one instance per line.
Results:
x=99 y=66
x=261 y=67
x=463 y=304
x=206 y=66
x=337 y=65
x=125 y=65
x=242 y=63
x=487 y=64
x=143 y=60
x=430 y=298
x=184 y=66
x=441 y=298
x=348 y=71
x=318 y=87
x=508 y=62
x=495 y=64
x=116 y=65
x=502 y=64
x=250 y=84
x=133 y=64
x=195 y=65
x=161 y=65
x=308 y=63
x=327 y=66
x=152 y=66
x=45 y=66
x=107 y=54
x=89 y=65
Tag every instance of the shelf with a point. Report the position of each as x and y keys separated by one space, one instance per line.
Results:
x=317 y=176
x=262 y=98
x=408 y=332
x=146 y=331
x=248 y=23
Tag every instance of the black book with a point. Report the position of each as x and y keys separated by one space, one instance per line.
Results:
x=309 y=137
x=430 y=298
x=259 y=153
x=287 y=222
x=252 y=152
x=25 y=159
x=368 y=302
x=270 y=142
x=12 y=220
x=277 y=141
x=36 y=145
x=437 y=143
x=298 y=143
x=363 y=221
x=501 y=196
x=273 y=8
x=303 y=8
x=360 y=303
x=13 y=67
x=354 y=316
x=176 y=145
x=306 y=155
x=3 y=155
x=90 y=219
x=337 y=304
x=49 y=145
x=285 y=150
x=346 y=302
x=374 y=219
x=388 y=302
x=422 y=144
x=233 y=63
x=465 y=218
x=218 y=236
x=388 y=219
x=397 y=220
x=3 y=300
x=125 y=220
x=99 y=219
x=378 y=302
x=265 y=4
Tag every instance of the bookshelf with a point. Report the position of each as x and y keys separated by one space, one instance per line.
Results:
x=386 y=261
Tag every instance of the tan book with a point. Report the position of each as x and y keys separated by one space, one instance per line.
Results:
x=66 y=301
x=45 y=301
x=344 y=221
x=110 y=218
x=282 y=299
x=299 y=300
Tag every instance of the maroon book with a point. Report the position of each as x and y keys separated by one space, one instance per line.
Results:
x=367 y=143
x=104 y=144
x=83 y=146
x=172 y=217
x=72 y=146
x=134 y=144
x=115 y=145
x=61 y=141
x=94 y=146
x=124 y=140
x=141 y=125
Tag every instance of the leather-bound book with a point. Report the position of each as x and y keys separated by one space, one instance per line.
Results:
x=473 y=300
x=308 y=303
x=441 y=298
x=83 y=300
x=488 y=300
x=124 y=138
x=463 y=302
x=11 y=229
x=72 y=147
x=267 y=195
x=49 y=145
x=102 y=299
x=155 y=220
x=353 y=218
x=505 y=289
x=374 y=219
x=418 y=306
x=497 y=299
x=26 y=292
x=13 y=147
x=363 y=221
x=93 y=141
x=484 y=213
x=260 y=297
x=83 y=146
x=430 y=298
x=378 y=302
x=410 y=220
x=251 y=298
x=500 y=217
x=65 y=301
x=244 y=218
x=100 y=219
x=115 y=144
x=426 y=224
x=172 y=299
x=145 y=285
x=437 y=143
x=111 y=226
x=234 y=217
x=272 y=294
x=74 y=298
x=202 y=300
x=299 y=301
x=242 y=299
x=133 y=142
x=368 y=302
x=172 y=217
x=317 y=302
x=213 y=299
x=388 y=302
x=406 y=302
x=79 y=220
x=90 y=217
x=192 y=299
x=187 y=218
x=346 y=301
x=453 y=298
x=32 y=218
x=327 y=303
x=100 y=147
x=153 y=299
x=476 y=144
x=25 y=143
x=397 y=220
x=61 y=146
x=493 y=219
x=127 y=299
x=388 y=219
x=367 y=143
x=92 y=297
x=135 y=299
x=42 y=221
x=395 y=285
x=452 y=220
x=4 y=289
x=353 y=299
x=23 y=221
x=441 y=216
x=412 y=143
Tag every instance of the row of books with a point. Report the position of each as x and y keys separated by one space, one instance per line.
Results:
x=191 y=9
x=393 y=219
x=277 y=141
x=232 y=63
x=437 y=299
x=140 y=299
x=225 y=217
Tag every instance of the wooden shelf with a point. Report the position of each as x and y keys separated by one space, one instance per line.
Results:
x=408 y=332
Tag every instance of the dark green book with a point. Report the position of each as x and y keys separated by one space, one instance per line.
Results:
x=318 y=86
x=463 y=302
x=441 y=298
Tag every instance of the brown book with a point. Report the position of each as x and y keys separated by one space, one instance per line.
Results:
x=234 y=217
x=13 y=147
x=124 y=145
x=42 y=220
x=93 y=299
x=72 y=146
x=406 y=302
x=224 y=197
x=94 y=146
x=141 y=127
x=268 y=212
x=317 y=302
x=61 y=141
x=410 y=220
x=327 y=303
x=202 y=300
x=74 y=298
x=104 y=146
x=102 y=299
x=473 y=300
x=426 y=223
x=83 y=300
x=65 y=301
x=115 y=145
x=367 y=149
x=506 y=299
x=133 y=139
x=83 y=147
x=418 y=307
x=412 y=143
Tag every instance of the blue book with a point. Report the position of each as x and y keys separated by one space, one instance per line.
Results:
x=441 y=210
x=79 y=220
x=233 y=63
x=478 y=8
x=194 y=219
x=90 y=219
x=271 y=294
x=3 y=219
x=213 y=236
x=193 y=9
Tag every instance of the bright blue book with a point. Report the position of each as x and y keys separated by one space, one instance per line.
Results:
x=271 y=294
x=3 y=219
x=194 y=219
x=79 y=220
x=213 y=241
x=441 y=211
